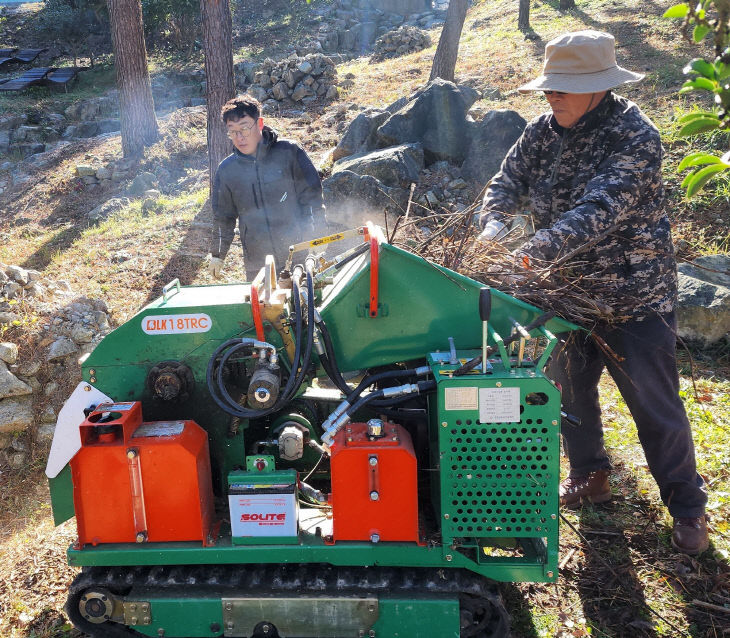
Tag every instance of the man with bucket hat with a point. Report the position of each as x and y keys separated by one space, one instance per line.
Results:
x=590 y=172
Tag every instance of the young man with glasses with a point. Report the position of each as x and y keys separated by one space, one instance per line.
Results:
x=590 y=172
x=269 y=185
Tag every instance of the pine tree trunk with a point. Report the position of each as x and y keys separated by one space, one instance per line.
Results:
x=218 y=47
x=136 y=106
x=567 y=4
x=444 y=61
x=523 y=18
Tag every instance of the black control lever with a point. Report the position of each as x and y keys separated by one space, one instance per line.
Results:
x=535 y=323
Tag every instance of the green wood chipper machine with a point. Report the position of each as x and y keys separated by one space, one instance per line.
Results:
x=365 y=446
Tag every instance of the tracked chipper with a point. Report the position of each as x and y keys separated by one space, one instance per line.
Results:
x=361 y=447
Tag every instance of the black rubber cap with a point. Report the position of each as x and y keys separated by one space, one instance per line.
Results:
x=485 y=303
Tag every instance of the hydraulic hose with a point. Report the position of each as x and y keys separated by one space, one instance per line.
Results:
x=216 y=385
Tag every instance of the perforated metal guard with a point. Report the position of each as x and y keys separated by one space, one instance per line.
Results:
x=500 y=479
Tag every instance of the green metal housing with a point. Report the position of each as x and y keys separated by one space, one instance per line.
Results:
x=493 y=485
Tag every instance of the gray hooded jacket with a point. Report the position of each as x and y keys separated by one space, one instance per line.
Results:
x=276 y=196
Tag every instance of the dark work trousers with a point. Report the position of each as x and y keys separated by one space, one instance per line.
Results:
x=648 y=380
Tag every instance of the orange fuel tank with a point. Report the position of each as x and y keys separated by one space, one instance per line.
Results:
x=141 y=482
x=374 y=485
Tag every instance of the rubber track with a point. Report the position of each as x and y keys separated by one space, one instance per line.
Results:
x=475 y=592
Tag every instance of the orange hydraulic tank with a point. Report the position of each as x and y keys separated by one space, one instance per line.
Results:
x=374 y=485
x=141 y=482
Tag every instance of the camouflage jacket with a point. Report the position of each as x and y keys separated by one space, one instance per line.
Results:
x=595 y=186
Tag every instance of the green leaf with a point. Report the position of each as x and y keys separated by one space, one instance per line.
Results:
x=699 y=84
x=703 y=67
x=702 y=176
x=700 y=31
x=687 y=180
x=699 y=125
x=694 y=115
x=698 y=159
x=677 y=11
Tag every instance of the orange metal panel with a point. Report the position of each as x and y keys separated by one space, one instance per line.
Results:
x=136 y=482
x=374 y=485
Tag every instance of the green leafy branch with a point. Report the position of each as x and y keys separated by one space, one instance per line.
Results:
x=707 y=16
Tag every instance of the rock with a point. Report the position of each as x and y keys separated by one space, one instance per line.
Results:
x=45 y=431
x=10 y=121
x=103 y=173
x=85 y=129
x=105 y=210
x=8 y=352
x=393 y=166
x=50 y=388
x=360 y=135
x=359 y=198
x=49 y=415
x=29 y=368
x=18 y=274
x=703 y=308
x=18 y=460
x=143 y=182
x=109 y=126
x=305 y=67
x=495 y=135
x=12 y=290
x=332 y=93
x=300 y=91
x=280 y=91
x=81 y=334
x=16 y=413
x=257 y=92
x=8 y=317
x=435 y=116
x=10 y=385
x=60 y=349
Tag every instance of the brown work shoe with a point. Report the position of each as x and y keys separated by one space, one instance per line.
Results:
x=592 y=488
x=689 y=535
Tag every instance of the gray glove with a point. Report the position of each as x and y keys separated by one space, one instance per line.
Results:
x=215 y=267
x=493 y=231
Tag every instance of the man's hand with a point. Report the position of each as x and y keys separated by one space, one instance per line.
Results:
x=493 y=231
x=215 y=267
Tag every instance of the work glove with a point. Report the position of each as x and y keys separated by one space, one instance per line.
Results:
x=215 y=267
x=493 y=231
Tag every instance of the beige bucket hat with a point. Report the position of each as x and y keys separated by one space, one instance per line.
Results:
x=581 y=62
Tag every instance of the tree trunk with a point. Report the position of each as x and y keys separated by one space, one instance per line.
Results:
x=444 y=62
x=567 y=4
x=523 y=18
x=218 y=47
x=136 y=106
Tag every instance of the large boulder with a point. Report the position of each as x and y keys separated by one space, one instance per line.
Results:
x=353 y=199
x=108 y=208
x=401 y=7
x=703 y=309
x=16 y=413
x=394 y=166
x=435 y=116
x=360 y=135
x=495 y=135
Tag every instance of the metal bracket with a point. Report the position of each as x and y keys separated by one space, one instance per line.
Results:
x=137 y=612
x=363 y=310
x=308 y=617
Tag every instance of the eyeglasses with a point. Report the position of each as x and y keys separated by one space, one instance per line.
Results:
x=549 y=93
x=244 y=131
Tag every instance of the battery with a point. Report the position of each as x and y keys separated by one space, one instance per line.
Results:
x=263 y=506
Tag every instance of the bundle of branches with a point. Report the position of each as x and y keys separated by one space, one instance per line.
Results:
x=561 y=285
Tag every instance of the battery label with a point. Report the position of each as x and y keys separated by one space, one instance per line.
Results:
x=176 y=324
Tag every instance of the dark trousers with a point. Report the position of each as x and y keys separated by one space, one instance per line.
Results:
x=646 y=376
